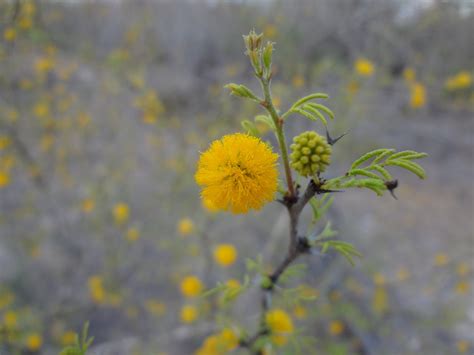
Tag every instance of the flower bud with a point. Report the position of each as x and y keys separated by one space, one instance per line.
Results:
x=267 y=55
x=310 y=153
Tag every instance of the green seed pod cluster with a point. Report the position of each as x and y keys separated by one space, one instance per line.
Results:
x=310 y=153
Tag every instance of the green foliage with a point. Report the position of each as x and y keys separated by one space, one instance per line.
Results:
x=375 y=175
x=320 y=206
x=81 y=346
x=242 y=91
x=311 y=110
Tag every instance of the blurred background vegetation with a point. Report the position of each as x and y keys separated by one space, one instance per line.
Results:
x=104 y=107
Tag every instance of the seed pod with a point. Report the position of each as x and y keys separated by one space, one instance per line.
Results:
x=310 y=153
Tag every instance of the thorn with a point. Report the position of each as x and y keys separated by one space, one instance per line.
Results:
x=333 y=141
x=391 y=186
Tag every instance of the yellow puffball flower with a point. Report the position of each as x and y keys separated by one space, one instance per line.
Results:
x=379 y=279
x=364 y=67
x=9 y=34
x=462 y=80
x=417 y=95
x=280 y=325
x=34 y=342
x=121 y=213
x=96 y=289
x=233 y=283
x=185 y=226
x=225 y=254
x=133 y=234
x=462 y=287
x=191 y=286
x=209 y=206
x=188 y=314
x=238 y=173
x=336 y=327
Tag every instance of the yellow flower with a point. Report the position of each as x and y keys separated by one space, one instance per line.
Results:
x=185 y=226
x=379 y=279
x=233 y=284
x=191 y=286
x=10 y=319
x=9 y=34
x=87 y=205
x=225 y=254
x=96 y=289
x=4 y=179
x=133 y=234
x=364 y=67
x=298 y=81
x=462 y=346
x=121 y=213
x=41 y=109
x=209 y=206
x=34 y=342
x=155 y=307
x=219 y=344
x=280 y=325
x=336 y=327
x=238 y=173
x=68 y=338
x=188 y=314
x=380 y=300
x=409 y=74
x=441 y=259
x=300 y=312
x=462 y=287
x=462 y=80
x=417 y=95
x=462 y=268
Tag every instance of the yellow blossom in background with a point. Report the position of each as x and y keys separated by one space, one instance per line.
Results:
x=460 y=81
x=462 y=269
x=96 y=289
x=225 y=254
x=4 y=179
x=41 y=109
x=155 y=307
x=188 y=314
x=380 y=300
x=441 y=259
x=9 y=34
x=238 y=173
x=403 y=274
x=233 y=284
x=417 y=95
x=5 y=141
x=364 y=67
x=270 y=30
x=191 y=286
x=121 y=213
x=34 y=342
x=87 y=205
x=25 y=23
x=300 y=312
x=185 y=226
x=336 y=327
x=10 y=319
x=219 y=344
x=379 y=279
x=280 y=325
x=43 y=65
x=133 y=234
x=409 y=74
x=68 y=338
x=462 y=287
x=462 y=346
x=6 y=299
x=298 y=81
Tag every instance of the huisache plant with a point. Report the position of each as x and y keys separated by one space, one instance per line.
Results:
x=239 y=172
